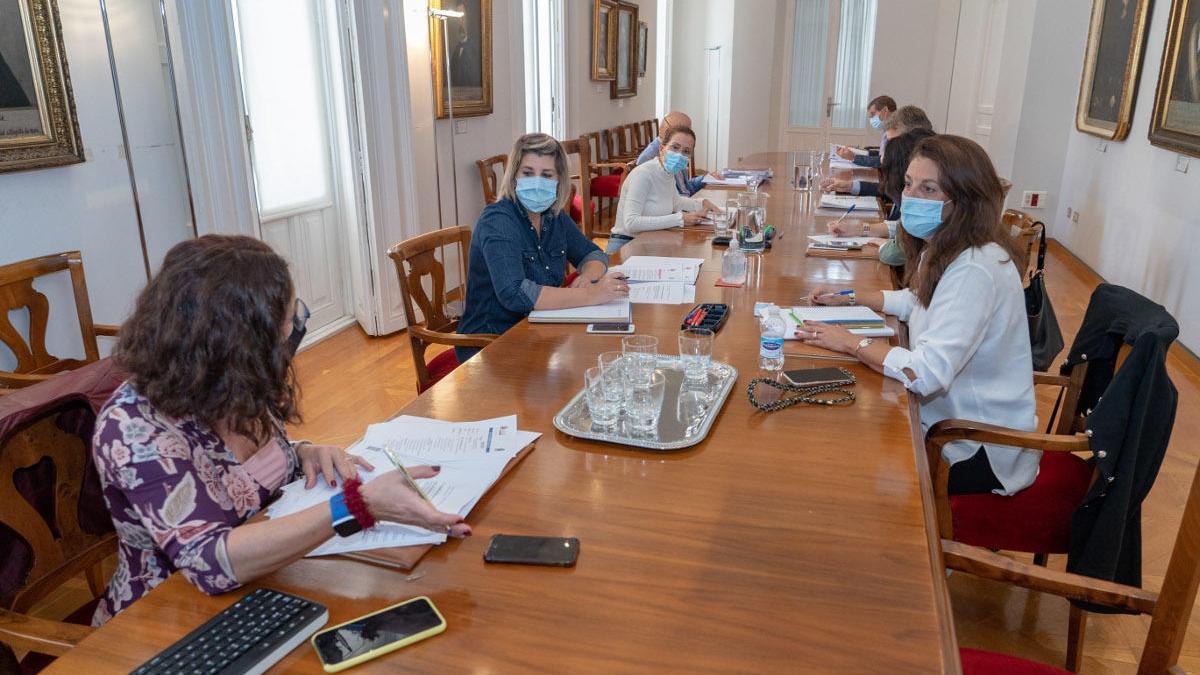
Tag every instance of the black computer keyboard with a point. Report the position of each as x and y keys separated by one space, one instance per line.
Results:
x=247 y=637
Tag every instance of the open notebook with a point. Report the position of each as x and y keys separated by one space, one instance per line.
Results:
x=843 y=202
x=617 y=311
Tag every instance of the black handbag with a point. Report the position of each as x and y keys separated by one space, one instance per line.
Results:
x=1045 y=337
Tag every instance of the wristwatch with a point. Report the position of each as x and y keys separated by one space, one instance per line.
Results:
x=866 y=229
x=862 y=344
x=344 y=522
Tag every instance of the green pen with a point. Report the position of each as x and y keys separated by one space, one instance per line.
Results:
x=405 y=475
x=798 y=320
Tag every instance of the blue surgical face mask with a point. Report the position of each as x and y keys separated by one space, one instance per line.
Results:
x=675 y=162
x=920 y=217
x=876 y=123
x=536 y=193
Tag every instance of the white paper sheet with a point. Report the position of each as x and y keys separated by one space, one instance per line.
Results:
x=661 y=293
x=660 y=268
x=843 y=202
x=834 y=241
x=617 y=311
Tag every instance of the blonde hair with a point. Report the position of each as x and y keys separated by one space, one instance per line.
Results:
x=542 y=145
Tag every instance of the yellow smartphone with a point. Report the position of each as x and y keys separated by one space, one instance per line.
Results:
x=362 y=639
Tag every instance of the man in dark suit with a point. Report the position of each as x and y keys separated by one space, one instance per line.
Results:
x=466 y=56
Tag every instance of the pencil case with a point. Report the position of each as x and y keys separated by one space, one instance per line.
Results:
x=714 y=320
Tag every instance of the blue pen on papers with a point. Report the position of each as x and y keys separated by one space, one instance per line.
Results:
x=848 y=212
x=845 y=292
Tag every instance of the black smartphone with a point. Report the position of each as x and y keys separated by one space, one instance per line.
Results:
x=553 y=551
x=620 y=328
x=815 y=376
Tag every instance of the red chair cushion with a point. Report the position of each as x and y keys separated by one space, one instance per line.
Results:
x=576 y=211
x=979 y=662
x=1036 y=519
x=607 y=186
x=442 y=365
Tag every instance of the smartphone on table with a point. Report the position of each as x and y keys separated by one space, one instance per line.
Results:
x=607 y=328
x=811 y=377
x=378 y=633
x=552 y=551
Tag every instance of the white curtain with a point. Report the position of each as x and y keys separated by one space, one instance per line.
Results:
x=856 y=49
x=810 y=40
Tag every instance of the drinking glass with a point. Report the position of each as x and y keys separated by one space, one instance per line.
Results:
x=720 y=221
x=752 y=182
x=645 y=403
x=604 y=408
x=695 y=353
x=642 y=353
x=752 y=229
x=613 y=365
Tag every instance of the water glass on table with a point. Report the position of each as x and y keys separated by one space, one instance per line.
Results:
x=602 y=406
x=642 y=357
x=695 y=353
x=721 y=220
x=645 y=403
x=613 y=365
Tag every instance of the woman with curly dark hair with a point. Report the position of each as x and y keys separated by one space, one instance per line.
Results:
x=193 y=444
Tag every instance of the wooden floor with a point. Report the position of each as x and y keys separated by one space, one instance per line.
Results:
x=350 y=380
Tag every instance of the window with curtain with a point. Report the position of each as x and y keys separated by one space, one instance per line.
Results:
x=852 y=73
x=856 y=49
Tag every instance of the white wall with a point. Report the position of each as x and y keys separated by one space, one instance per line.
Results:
x=701 y=25
x=753 y=70
x=589 y=106
x=89 y=206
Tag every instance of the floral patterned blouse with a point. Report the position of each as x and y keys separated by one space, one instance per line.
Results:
x=175 y=492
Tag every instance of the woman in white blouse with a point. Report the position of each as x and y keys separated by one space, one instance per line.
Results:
x=649 y=199
x=969 y=356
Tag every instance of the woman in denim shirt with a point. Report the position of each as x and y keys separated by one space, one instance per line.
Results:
x=523 y=242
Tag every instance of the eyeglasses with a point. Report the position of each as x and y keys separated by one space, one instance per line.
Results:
x=300 y=317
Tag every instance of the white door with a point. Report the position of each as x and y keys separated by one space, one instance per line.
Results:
x=831 y=51
x=303 y=148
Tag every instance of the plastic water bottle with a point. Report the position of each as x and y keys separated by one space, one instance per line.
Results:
x=770 y=342
x=733 y=264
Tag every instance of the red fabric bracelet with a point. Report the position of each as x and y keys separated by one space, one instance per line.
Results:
x=355 y=504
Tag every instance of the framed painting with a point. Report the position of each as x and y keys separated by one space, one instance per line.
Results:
x=1111 y=65
x=643 y=41
x=38 y=127
x=469 y=53
x=604 y=43
x=625 y=84
x=1175 y=124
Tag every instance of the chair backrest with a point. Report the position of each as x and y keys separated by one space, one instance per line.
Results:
x=595 y=145
x=491 y=170
x=415 y=259
x=618 y=142
x=56 y=524
x=17 y=292
x=650 y=130
x=581 y=148
x=636 y=139
x=1028 y=240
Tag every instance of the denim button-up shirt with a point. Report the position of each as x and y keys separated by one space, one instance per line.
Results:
x=509 y=264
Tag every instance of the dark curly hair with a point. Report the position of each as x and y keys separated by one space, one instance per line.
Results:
x=206 y=338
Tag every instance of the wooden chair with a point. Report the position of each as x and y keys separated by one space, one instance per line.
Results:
x=1043 y=509
x=1028 y=233
x=491 y=170
x=582 y=210
x=649 y=129
x=604 y=183
x=636 y=138
x=34 y=363
x=57 y=526
x=1170 y=609
x=415 y=259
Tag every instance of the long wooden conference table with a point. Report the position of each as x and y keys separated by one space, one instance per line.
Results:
x=798 y=541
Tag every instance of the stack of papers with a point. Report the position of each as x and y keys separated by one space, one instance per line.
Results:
x=657 y=280
x=841 y=243
x=617 y=311
x=836 y=162
x=472 y=456
x=855 y=318
x=843 y=202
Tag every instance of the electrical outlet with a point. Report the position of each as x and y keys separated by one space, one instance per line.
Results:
x=1181 y=164
x=460 y=126
x=1102 y=146
x=599 y=89
x=1068 y=213
x=1075 y=217
x=1033 y=199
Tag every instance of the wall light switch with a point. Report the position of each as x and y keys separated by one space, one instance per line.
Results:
x=1181 y=164
x=1075 y=217
x=1068 y=213
x=1102 y=146
x=460 y=126
x=1033 y=199
x=599 y=89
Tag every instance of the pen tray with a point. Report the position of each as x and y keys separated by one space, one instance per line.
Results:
x=717 y=313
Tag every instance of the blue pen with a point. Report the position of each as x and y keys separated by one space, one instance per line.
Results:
x=848 y=212
x=846 y=292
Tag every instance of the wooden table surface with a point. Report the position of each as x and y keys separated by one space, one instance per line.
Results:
x=795 y=541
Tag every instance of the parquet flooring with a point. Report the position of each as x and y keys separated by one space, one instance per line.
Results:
x=351 y=380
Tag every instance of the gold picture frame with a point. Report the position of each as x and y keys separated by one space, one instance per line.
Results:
x=1111 y=67
x=38 y=125
x=470 y=58
x=1175 y=124
x=625 y=83
x=604 y=40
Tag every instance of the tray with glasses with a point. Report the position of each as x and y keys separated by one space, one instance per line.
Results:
x=648 y=401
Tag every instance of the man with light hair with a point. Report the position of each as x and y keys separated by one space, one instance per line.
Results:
x=686 y=186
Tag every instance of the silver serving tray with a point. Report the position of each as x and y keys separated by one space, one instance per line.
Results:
x=679 y=426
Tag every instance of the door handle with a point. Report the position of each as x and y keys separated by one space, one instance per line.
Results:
x=829 y=103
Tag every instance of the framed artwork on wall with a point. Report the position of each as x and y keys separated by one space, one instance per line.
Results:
x=1111 y=64
x=604 y=40
x=1175 y=124
x=38 y=126
x=643 y=41
x=625 y=84
x=470 y=51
